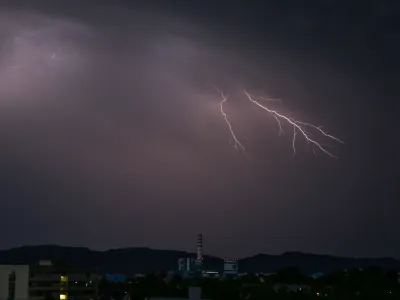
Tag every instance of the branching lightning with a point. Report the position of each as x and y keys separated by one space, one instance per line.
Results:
x=298 y=126
x=237 y=143
x=294 y=140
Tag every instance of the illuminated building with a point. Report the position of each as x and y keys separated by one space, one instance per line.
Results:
x=46 y=281
x=63 y=287
x=62 y=282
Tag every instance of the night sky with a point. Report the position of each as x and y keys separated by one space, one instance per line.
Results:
x=112 y=136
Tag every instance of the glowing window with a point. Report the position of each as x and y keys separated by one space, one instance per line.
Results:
x=63 y=297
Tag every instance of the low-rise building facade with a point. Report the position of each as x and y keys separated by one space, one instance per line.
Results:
x=47 y=281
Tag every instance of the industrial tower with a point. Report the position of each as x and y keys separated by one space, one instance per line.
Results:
x=193 y=267
x=199 y=258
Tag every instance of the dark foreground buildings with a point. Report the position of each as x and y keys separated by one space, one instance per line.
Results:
x=47 y=281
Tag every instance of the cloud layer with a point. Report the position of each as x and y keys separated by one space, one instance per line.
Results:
x=110 y=124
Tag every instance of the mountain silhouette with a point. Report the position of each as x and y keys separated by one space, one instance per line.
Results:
x=144 y=260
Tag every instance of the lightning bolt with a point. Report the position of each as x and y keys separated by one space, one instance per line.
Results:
x=298 y=126
x=237 y=143
x=294 y=140
x=280 y=125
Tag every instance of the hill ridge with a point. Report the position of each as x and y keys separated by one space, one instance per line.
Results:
x=134 y=260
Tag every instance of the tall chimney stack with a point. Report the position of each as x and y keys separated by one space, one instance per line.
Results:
x=200 y=247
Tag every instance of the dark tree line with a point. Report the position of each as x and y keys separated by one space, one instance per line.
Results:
x=289 y=283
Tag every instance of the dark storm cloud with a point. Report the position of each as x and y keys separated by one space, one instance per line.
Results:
x=109 y=124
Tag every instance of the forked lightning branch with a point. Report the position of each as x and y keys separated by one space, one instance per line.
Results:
x=299 y=128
